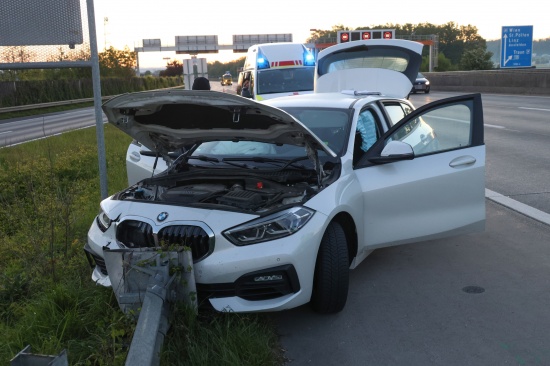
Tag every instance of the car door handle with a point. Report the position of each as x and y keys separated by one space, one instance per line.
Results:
x=135 y=156
x=461 y=161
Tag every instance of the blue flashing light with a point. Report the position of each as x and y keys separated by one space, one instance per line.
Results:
x=309 y=59
x=262 y=61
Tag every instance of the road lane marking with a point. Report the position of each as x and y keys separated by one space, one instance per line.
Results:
x=1 y=133
x=493 y=126
x=522 y=208
x=535 y=109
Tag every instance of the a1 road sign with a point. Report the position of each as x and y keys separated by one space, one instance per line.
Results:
x=516 y=46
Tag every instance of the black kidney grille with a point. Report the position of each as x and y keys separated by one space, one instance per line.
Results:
x=138 y=234
x=192 y=236
x=135 y=234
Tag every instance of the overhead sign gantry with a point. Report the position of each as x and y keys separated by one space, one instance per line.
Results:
x=196 y=44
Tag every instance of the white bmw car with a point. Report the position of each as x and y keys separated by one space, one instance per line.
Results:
x=279 y=200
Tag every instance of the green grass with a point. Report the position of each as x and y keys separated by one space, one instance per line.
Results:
x=49 y=194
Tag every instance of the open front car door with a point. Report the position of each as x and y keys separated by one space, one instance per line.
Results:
x=425 y=178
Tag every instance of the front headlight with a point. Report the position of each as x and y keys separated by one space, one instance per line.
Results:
x=271 y=227
x=103 y=221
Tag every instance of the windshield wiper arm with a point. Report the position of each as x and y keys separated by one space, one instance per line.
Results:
x=204 y=158
x=258 y=159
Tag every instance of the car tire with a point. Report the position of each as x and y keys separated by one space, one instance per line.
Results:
x=331 y=278
x=426 y=91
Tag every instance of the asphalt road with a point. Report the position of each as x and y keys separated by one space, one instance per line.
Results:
x=479 y=299
x=517 y=139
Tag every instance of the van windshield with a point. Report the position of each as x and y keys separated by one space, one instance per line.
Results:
x=285 y=80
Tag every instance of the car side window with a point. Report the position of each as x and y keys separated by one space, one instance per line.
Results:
x=396 y=111
x=442 y=129
x=367 y=133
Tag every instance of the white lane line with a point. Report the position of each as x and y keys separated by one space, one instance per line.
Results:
x=518 y=206
x=1 y=133
x=493 y=126
x=535 y=109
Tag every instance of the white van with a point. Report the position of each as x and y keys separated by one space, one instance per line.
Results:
x=276 y=69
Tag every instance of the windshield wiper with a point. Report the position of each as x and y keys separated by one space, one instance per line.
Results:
x=203 y=158
x=285 y=162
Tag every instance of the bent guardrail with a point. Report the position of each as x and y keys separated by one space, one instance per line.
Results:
x=146 y=284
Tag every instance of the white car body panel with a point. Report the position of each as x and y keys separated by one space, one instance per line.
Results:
x=422 y=199
x=139 y=166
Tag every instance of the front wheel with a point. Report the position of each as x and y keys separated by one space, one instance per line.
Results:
x=331 y=278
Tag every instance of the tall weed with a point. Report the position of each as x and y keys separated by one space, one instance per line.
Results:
x=49 y=194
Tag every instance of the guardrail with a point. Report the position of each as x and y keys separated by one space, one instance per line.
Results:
x=46 y=105
x=61 y=102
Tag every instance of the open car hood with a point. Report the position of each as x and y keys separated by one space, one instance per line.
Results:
x=386 y=66
x=165 y=121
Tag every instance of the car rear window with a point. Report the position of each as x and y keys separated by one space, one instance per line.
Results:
x=362 y=57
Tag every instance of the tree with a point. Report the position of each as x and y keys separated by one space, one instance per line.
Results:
x=454 y=41
x=319 y=34
x=217 y=69
x=117 y=63
x=173 y=68
x=476 y=59
x=443 y=63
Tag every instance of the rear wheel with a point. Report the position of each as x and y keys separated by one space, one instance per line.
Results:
x=331 y=279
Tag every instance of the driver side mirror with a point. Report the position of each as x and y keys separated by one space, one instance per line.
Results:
x=394 y=151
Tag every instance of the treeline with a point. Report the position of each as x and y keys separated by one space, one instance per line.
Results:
x=541 y=51
x=460 y=47
x=35 y=86
x=23 y=92
x=215 y=69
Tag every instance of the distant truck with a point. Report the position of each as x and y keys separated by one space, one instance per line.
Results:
x=227 y=79
x=273 y=70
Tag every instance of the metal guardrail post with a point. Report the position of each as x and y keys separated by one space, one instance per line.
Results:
x=146 y=283
x=152 y=325
x=26 y=358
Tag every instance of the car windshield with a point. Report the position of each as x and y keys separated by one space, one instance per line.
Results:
x=331 y=125
x=420 y=76
x=285 y=80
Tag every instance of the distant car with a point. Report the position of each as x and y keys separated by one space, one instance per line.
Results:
x=227 y=79
x=421 y=84
x=278 y=200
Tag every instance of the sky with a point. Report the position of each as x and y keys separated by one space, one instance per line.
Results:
x=128 y=22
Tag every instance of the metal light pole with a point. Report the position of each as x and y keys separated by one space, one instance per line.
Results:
x=96 y=81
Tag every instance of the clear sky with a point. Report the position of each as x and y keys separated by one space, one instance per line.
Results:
x=131 y=21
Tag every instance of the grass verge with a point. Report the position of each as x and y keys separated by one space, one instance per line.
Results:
x=49 y=193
